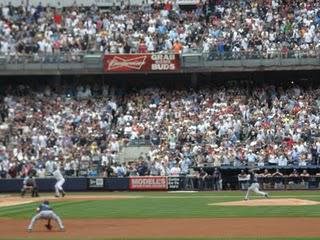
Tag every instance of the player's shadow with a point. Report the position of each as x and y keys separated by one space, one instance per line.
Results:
x=48 y=231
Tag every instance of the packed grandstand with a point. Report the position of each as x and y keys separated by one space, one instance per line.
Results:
x=258 y=28
x=84 y=128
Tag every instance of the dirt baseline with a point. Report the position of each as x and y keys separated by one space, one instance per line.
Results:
x=197 y=227
x=6 y=201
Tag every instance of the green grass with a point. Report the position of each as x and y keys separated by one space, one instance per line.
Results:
x=273 y=238
x=170 y=205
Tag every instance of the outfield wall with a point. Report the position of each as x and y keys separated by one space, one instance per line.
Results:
x=159 y=183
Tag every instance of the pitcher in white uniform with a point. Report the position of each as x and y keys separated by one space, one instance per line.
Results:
x=254 y=185
x=60 y=181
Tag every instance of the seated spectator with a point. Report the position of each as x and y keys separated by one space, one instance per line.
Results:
x=175 y=170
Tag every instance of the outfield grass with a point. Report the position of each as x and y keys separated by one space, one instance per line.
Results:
x=247 y=238
x=171 y=205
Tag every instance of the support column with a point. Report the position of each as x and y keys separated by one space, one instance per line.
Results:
x=194 y=80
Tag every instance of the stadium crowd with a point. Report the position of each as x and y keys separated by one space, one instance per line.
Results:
x=83 y=129
x=257 y=27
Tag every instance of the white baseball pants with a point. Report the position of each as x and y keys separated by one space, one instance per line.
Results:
x=58 y=186
x=254 y=187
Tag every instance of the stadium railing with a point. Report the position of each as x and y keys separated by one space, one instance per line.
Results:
x=191 y=58
x=214 y=58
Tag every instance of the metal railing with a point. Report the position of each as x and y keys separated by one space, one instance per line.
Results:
x=193 y=58
x=214 y=58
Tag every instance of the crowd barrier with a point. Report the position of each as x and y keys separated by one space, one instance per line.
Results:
x=161 y=183
x=289 y=182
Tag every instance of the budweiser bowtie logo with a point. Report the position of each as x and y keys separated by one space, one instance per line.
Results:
x=132 y=62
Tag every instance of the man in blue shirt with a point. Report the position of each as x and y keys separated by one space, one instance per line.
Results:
x=44 y=211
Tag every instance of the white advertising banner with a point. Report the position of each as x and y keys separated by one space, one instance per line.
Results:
x=62 y=3
x=187 y=2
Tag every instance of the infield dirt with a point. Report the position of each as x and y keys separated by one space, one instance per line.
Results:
x=149 y=228
x=269 y=202
x=6 y=201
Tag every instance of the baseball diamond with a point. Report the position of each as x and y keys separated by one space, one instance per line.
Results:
x=169 y=215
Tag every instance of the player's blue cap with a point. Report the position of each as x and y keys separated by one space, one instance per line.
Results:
x=46 y=202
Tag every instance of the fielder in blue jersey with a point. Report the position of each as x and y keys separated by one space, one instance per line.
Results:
x=44 y=211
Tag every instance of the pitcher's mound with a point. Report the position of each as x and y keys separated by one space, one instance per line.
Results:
x=269 y=202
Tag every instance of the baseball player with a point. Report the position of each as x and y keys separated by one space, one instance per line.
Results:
x=44 y=211
x=254 y=185
x=29 y=183
x=60 y=181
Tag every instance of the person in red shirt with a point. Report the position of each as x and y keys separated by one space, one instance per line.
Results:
x=168 y=6
x=57 y=18
x=142 y=47
x=177 y=47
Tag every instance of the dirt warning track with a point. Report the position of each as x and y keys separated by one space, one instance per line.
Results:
x=6 y=201
x=139 y=228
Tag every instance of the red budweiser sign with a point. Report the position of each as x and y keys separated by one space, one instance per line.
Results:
x=141 y=62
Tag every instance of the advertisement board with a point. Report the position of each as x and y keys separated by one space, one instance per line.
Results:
x=63 y=3
x=187 y=2
x=95 y=183
x=148 y=183
x=173 y=183
x=141 y=62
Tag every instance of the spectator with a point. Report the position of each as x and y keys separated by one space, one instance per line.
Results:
x=202 y=179
x=175 y=171
x=243 y=180
x=294 y=179
x=278 y=179
x=305 y=177
x=266 y=179
x=216 y=180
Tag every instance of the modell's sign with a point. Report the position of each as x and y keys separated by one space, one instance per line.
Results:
x=141 y=62
x=148 y=183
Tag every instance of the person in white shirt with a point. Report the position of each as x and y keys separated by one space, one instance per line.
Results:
x=175 y=171
x=60 y=181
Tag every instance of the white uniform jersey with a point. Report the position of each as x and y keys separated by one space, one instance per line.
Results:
x=57 y=174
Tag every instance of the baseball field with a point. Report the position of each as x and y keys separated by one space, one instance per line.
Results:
x=167 y=215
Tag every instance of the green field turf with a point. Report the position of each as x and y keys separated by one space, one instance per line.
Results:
x=247 y=238
x=304 y=238
x=172 y=205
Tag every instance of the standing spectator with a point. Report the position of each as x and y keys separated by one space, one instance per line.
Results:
x=305 y=177
x=216 y=180
x=294 y=179
x=243 y=180
x=266 y=179
x=277 y=178
x=202 y=179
